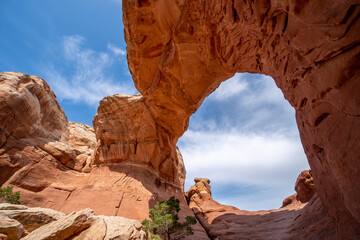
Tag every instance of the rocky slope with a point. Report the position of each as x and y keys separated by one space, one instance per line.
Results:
x=22 y=222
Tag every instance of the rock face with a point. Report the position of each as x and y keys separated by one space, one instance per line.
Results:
x=180 y=51
x=12 y=229
x=30 y=218
x=227 y=222
x=127 y=133
x=34 y=128
x=75 y=226
x=304 y=188
x=57 y=168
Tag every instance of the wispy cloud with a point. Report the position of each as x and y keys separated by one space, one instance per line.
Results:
x=248 y=141
x=117 y=51
x=236 y=157
x=230 y=88
x=87 y=78
x=251 y=89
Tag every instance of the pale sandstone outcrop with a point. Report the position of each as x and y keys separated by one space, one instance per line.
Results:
x=30 y=218
x=180 y=51
x=11 y=228
x=80 y=225
x=64 y=227
x=9 y=206
x=121 y=228
x=96 y=231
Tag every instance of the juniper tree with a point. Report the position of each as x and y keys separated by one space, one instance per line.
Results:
x=164 y=221
x=7 y=195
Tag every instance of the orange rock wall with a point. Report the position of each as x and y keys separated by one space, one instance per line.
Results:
x=180 y=51
x=126 y=133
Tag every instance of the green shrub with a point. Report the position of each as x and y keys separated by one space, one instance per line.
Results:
x=164 y=221
x=7 y=195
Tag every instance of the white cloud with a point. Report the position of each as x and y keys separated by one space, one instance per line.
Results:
x=116 y=50
x=241 y=86
x=89 y=79
x=230 y=88
x=262 y=161
x=247 y=144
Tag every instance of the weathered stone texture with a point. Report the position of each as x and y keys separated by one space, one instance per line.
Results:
x=311 y=48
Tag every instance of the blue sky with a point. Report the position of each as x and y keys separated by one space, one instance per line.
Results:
x=243 y=138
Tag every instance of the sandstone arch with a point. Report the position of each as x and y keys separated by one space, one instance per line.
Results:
x=180 y=51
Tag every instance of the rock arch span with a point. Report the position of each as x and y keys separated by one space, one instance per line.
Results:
x=180 y=51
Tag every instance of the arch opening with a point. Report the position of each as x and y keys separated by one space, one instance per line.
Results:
x=244 y=138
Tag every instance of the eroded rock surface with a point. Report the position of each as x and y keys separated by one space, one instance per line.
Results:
x=227 y=222
x=10 y=228
x=30 y=218
x=304 y=188
x=180 y=51
x=82 y=225
x=34 y=130
x=59 y=170
x=127 y=133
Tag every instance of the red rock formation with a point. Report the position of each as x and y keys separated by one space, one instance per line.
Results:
x=304 y=188
x=126 y=133
x=51 y=161
x=180 y=51
x=227 y=222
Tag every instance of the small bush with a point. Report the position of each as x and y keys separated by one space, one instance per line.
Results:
x=7 y=195
x=164 y=221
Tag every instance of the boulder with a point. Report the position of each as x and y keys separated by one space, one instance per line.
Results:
x=305 y=190
x=12 y=229
x=64 y=227
x=122 y=228
x=30 y=218
x=96 y=231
